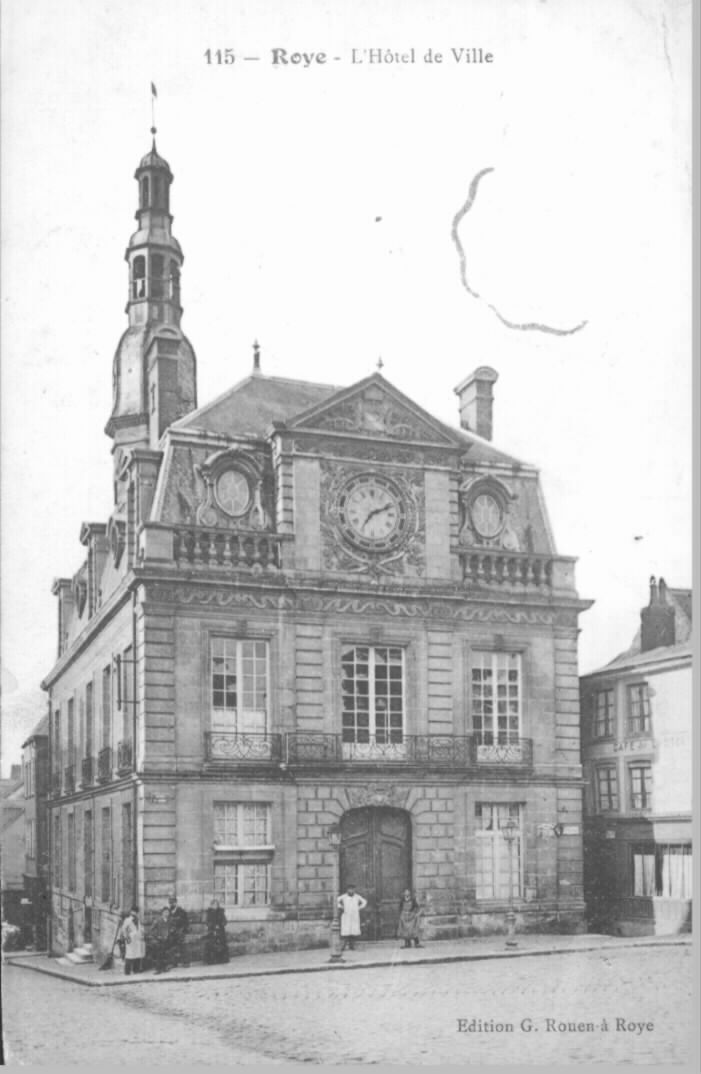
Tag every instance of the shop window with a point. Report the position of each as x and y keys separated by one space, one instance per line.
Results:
x=663 y=871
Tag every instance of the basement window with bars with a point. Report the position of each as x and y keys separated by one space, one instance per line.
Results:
x=243 y=854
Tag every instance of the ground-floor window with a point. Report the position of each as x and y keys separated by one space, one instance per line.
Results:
x=106 y=870
x=71 y=853
x=662 y=870
x=496 y=857
x=241 y=884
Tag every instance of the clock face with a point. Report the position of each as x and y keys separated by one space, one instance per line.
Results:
x=372 y=512
x=233 y=492
x=486 y=515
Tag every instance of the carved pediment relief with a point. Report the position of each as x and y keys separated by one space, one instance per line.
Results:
x=232 y=491
x=375 y=410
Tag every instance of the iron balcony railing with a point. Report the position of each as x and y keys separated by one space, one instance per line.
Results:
x=124 y=757
x=232 y=747
x=461 y=751
x=87 y=771
x=104 y=765
x=69 y=780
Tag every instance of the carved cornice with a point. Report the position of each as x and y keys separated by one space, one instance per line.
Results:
x=404 y=608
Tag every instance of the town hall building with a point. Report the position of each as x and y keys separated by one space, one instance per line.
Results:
x=315 y=611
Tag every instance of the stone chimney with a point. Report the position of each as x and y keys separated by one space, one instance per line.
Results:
x=657 y=620
x=475 y=395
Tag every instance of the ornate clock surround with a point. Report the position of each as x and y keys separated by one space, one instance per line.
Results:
x=351 y=550
x=225 y=502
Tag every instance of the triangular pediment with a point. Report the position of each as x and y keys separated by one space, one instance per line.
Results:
x=374 y=408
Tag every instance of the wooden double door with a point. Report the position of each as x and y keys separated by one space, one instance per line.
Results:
x=376 y=858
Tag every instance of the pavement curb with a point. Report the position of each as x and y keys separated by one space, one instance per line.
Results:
x=327 y=967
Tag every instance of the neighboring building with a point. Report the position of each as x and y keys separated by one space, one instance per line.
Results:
x=636 y=749
x=12 y=846
x=35 y=763
x=310 y=606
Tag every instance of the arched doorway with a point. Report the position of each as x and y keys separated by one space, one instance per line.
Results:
x=376 y=857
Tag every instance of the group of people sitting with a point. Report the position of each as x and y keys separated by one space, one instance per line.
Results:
x=164 y=944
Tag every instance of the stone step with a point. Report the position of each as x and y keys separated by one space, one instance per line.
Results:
x=441 y=919
x=79 y=955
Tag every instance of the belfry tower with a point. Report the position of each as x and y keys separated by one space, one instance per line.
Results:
x=154 y=370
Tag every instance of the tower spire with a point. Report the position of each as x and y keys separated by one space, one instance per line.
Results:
x=154 y=366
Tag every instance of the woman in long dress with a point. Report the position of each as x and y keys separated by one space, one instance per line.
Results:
x=408 y=928
x=216 y=948
x=350 y=906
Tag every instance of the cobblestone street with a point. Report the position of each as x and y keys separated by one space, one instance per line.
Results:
x=398 y=1014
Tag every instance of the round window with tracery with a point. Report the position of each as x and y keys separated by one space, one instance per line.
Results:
x=233 y=492
x=487 y=515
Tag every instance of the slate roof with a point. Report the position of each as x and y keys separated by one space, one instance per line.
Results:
x=42 y=728
x=251 y=406
x=650 y=656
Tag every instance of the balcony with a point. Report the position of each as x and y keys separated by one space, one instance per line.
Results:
x=69 y=780
x=104 y=765
x=442 y=751
x=87 y=771
x=124 y=757
x=514 y=751
x=217 y=549
x=236 y=748
x=508 y=570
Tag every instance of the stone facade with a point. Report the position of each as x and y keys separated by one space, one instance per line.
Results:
x=636 y=750
x=312 y=606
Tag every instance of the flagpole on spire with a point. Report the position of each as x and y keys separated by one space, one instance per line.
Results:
x=154 y=94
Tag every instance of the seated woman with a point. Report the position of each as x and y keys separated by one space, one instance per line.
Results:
x=215 y=944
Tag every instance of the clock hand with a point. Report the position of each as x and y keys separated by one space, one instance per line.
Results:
x=376 y=511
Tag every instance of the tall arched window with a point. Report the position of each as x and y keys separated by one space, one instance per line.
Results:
x=139 y=277
x=175 y=281
x=144 y=192
x=157 y=192
x=157 y=281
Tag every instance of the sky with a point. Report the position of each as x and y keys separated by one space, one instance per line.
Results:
x=315 y=202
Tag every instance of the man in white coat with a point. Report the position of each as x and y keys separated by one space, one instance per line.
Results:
x=350 y=906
